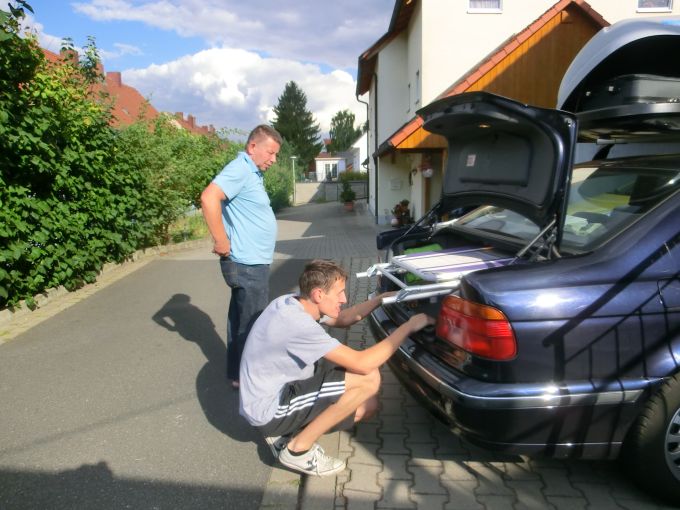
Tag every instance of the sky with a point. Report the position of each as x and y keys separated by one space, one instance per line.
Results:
x=225 y=61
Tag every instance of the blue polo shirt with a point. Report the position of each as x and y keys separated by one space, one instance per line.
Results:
x=247 y=214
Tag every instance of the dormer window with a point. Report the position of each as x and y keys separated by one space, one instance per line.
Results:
x=485 y=6
x=655 y=6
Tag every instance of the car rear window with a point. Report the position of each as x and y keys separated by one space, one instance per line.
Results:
x=604 y=198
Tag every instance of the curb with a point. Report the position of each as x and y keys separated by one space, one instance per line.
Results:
x=15 y=321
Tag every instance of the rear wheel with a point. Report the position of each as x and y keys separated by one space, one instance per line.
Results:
x=652 y=449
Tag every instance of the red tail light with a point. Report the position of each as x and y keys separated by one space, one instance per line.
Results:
x=481 y=330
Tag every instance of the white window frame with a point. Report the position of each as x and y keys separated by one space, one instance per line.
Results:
x=485 y=10
x=667 y=8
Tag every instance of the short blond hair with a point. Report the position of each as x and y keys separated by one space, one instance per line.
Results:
x=264 y=131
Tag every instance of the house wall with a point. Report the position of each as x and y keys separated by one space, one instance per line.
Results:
x=395 y=186
x=415 y=63
x=320 y=166
x=391 y=92
x=454 y=41
x=441 y=44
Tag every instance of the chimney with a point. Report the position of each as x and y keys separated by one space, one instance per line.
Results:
x=191 y=120
x=113 y=79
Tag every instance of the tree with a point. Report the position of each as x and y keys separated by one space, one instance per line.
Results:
x=343 y=133
x=297 y=125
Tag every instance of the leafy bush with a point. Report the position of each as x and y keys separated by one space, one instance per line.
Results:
x=278 y=179
x=74 y=192
x=353 y=176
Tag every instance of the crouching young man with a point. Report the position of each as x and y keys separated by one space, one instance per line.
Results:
x=297 y=382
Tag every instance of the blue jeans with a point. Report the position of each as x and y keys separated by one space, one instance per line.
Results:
x=249 y=296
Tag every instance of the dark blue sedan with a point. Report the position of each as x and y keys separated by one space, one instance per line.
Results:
x=557 y=294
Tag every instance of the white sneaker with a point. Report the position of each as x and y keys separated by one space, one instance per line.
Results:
x=276 y=444
x=314 y=462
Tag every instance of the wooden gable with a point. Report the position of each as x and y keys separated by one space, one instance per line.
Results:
x=528 y=67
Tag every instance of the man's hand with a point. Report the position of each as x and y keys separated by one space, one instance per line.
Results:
x=222 y=247
x=387 y=294
x=418 y=322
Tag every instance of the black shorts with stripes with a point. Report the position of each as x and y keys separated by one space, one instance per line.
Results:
x=302 y=401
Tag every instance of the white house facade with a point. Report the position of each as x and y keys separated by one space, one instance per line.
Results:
x=431 y=45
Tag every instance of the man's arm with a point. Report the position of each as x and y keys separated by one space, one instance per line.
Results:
x=211 y=206
x=363 y=362
x=355 y=313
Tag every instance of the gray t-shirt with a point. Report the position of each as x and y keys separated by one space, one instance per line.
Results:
x=282 y=347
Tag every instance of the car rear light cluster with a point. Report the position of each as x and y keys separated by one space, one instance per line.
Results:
x=479 y=329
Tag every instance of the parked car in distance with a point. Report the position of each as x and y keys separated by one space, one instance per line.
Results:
x=557 y=294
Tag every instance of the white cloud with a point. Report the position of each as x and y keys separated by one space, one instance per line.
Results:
x=236 y=88
x=121 y=49
x=330 y=33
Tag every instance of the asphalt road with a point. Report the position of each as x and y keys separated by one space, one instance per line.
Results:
x=120 y=400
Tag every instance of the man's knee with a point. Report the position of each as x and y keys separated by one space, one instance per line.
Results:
x=369 y=383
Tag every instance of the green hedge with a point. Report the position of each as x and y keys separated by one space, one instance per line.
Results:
x=74 y=192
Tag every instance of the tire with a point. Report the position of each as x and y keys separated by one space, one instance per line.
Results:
x=651 y=452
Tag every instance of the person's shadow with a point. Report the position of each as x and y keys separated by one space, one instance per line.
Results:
x=218 y=401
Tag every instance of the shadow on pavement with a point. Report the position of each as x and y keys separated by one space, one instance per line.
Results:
x=95 y=486
x=218 y=400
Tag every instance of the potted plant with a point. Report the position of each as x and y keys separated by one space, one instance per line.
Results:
x=347 y=195
x=401 y=213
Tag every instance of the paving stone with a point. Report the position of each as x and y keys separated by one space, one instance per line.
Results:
x=366 y=432
x=388 y=376
x=356 y=500
x=461 y=495
x=396 y=495
x=417 y=433
x=417 y=414
x=394 y=468
x=520 y=471
x=344 y=445
x=565 y=503
x=457 y=470
x=363 y=478
x=490 y=479
x=430 y=501
x=529 y=495
x=492 y=502
x=392 y=407
x=393 y=443
x=391 y=426
x=628 y=504
x=589 y=472
x=557 y=483
x=365 y=453
x=391 y=391
x=598 y=495
x=422 y=454
x=426 y=480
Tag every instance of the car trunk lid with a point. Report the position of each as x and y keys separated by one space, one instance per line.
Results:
x=505 y=153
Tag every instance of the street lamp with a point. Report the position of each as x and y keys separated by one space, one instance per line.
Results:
x=293 y=158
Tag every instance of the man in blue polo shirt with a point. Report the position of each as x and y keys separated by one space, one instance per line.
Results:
x=241 y=222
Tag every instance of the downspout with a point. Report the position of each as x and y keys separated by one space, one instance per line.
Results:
x=375 y=141
x=368 y=182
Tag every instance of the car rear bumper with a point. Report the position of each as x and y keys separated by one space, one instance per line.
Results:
x=582 y=419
